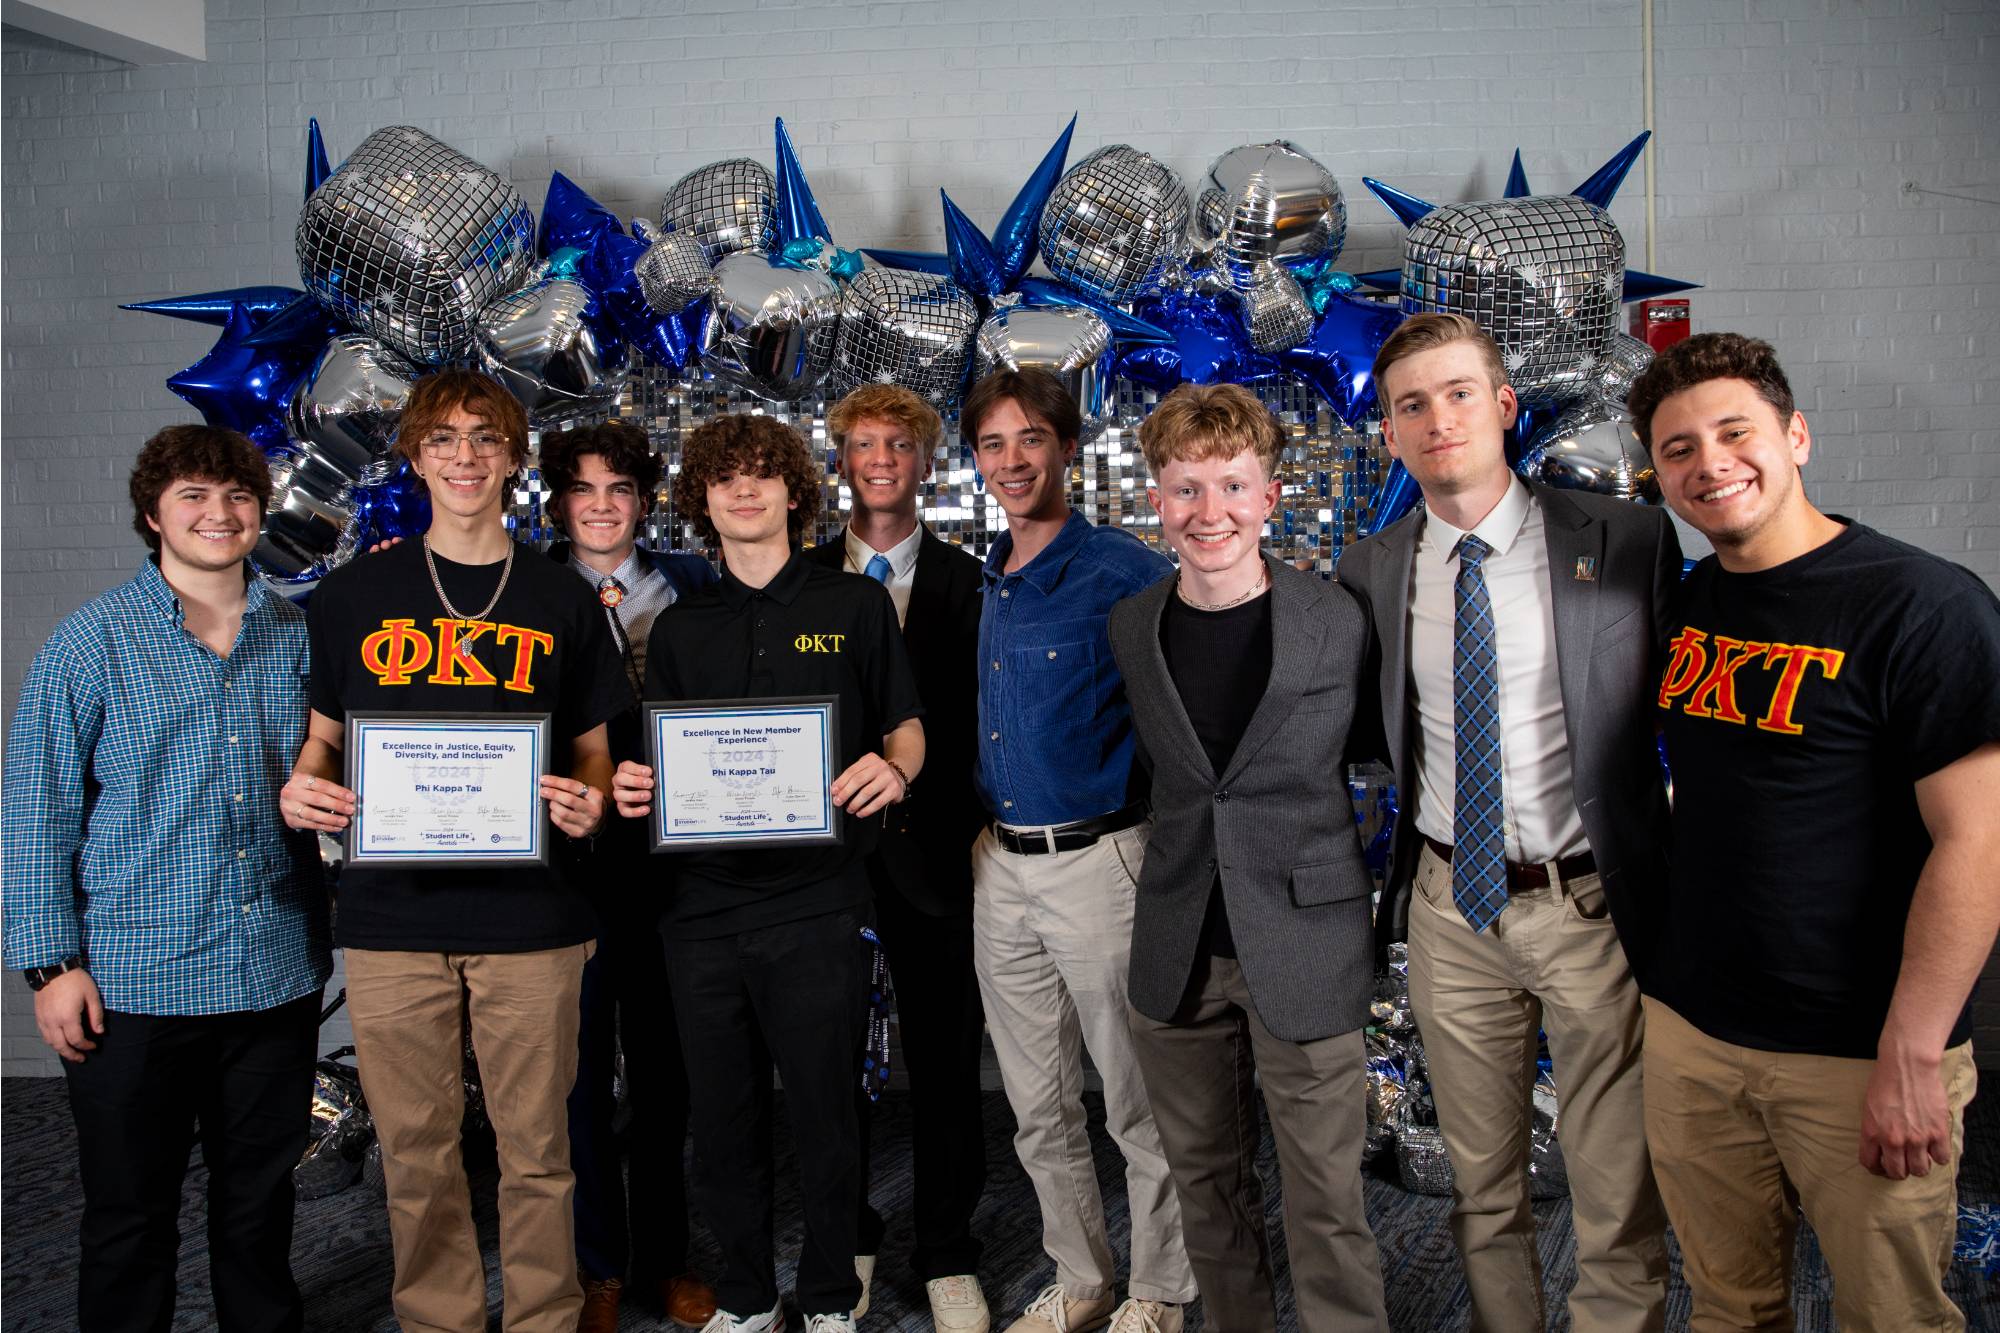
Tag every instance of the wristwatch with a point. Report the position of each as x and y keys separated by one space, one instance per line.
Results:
x=38 y=977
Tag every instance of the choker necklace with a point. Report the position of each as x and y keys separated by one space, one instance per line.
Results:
x=1263 y=582
x=505 y=569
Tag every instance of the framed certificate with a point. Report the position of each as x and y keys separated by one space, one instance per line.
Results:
x=744 y=772
x=451 y=789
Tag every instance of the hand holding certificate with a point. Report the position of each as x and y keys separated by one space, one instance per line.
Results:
x=431 y=789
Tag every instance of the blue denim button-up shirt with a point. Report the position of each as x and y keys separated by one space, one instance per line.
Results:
x=1055 y=731
x=141 y=817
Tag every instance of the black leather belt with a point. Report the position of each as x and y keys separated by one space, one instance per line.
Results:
x=1067 y=837
x=1534 y=875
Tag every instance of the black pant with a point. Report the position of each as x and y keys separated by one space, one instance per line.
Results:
x=626 y=1007
x=940 y=1024
x=244 y=1082
x=793 y=994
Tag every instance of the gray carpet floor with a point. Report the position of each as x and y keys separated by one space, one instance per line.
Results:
x=341 y=1250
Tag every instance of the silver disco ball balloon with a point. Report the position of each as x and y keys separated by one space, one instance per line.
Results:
x=1592 y=446
x=729 y=206
x=673 y=273
x=1276 y=312
x=410 y=239
x=1115 y=223
x=1620 y=365
x=1543 y=275
x=1072 y=343
x=537 y=343
x=912 y=329
x=1270 y=201
x=772 y=328
x=343 y=416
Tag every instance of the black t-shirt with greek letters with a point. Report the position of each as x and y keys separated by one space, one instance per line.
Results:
x=1801 y=705
x=381 y=639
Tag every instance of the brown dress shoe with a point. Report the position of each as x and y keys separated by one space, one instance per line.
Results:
x=600 y=1305
x=688 y=1300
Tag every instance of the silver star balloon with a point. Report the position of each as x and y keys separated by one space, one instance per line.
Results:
x=772 y=329
x=1069 y=341
x=1592 y=446
x=410 y=239
x=907 y=328
x=1115 y=223
x=729 y=206
x=537 y=342
x=304 y=521
x=344 y=415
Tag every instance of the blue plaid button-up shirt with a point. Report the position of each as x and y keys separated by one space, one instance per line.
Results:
x=141 y=816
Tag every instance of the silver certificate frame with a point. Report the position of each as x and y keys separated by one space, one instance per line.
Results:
x=744 y=772
x=447 y=789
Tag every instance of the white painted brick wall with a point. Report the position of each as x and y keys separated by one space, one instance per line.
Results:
x=1790 y=133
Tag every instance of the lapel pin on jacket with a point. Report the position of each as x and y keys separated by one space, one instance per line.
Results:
x=1586 y=568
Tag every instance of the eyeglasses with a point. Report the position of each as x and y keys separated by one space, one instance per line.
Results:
x=443 y=443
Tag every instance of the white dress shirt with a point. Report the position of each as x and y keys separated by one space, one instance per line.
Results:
x=902 y=566
x=1539 y=821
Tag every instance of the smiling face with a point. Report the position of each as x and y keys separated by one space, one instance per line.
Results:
x=205 y=525
x=748 y=509
x=1729 y=464
x=883 y=466
x=1024 y=464
x=1213 y=510
x=1447 y=421
x=462 y=482
x=601 y=510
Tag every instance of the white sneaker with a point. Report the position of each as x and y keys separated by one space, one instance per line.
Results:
x=864 y=1268
x=958 y=1305
x=1137 y=1316
x=830 y=1323
x=772 y=1321
x=1054 y=1312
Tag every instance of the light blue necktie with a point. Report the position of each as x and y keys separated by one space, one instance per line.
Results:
x=878 y=569
x=1478 y=859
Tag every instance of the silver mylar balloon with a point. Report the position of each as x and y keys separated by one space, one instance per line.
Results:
x=1270 y=201
x=1591 y=446
x=673 y=273
x=344 y=415
x=912 y=329
x=1543 y=275
x=536 y=342
x=729 y=206
x=1115 y=222
x=411 y=239
x=304 y=521
x=1625 y=360
x=1276 y=312
x=1071 y=342
x=772 y=328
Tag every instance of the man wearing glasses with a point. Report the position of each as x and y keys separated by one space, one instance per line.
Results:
x=462 y=622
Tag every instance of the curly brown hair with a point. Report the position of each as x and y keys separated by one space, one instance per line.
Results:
x=435 y=397
x=624 y=448
x=210 y=453
x=744 y=442
x=1704 y=357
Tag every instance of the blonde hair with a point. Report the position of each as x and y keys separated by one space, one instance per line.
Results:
x=891 y=403
x=1198 y=421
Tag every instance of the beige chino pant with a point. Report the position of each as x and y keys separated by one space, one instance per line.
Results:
x=1745 y=1140
x=523 y=1010
x=1052 y=938
x=1552 y=960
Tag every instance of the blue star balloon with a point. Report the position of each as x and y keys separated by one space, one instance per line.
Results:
x=317 y=167
x=1206 y=343
x=242 y=387
x=1397 y=495
x=1599 y=189
x=798 y=212
x=301 y=323
x=1338 y=359
x=397 y=508
x=215 y=307
x=583 y=240
x=571 y=219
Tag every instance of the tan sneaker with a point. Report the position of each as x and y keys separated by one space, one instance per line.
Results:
x=1137 y=1316
x=958 y=1305
x=864 y=1268
x=1054 y=1312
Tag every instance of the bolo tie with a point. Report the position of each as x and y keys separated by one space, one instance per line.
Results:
x=611 y=592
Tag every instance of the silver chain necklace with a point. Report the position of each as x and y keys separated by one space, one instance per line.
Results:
x=1263 y=582
x=506 y=569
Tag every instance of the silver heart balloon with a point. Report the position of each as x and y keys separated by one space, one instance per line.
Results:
x=304 y=521
x=1115 y=223
x=1069 y=341
x=912 y=329
x=673 y=273
x=1276 y=312
x=1620 y=365
x=410 y=239
x=1270 y=201
x=772 y=328
x=537 y=343
x=1592 y=446
x=729 y=206
x=1543 y=275
x=344 y=415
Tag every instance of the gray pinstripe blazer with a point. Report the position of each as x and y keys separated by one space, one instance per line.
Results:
x=1276 y=826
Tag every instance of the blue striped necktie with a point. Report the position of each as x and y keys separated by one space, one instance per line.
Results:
x=1478 y=864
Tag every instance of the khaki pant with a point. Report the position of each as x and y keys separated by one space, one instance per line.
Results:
x=1553 y=961
x=522 y=1007
x=1052 y=937
x=1199 y=1071
x=1746 y=1140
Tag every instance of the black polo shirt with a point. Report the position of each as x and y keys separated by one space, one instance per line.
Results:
x=808 y=631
